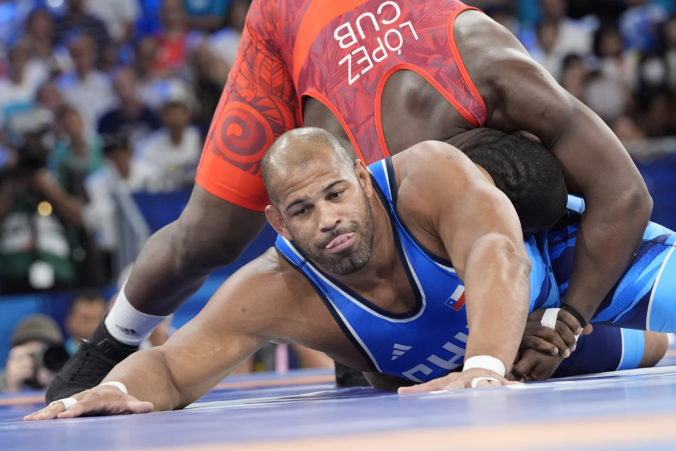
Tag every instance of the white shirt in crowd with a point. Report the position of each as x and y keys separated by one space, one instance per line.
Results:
x=165 y=166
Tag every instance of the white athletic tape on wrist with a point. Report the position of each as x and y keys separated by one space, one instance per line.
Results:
x=549 y=318
x=117 y=384
x=476 y=380
x=67 y=402
x=486 y=362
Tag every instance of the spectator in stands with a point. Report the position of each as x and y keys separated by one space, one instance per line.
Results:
x=658 y=68
x=38 y=32
x=575 y=76
x=226 y=41
x=49 y=97
x=119 y=17
x=111 y=215
x=76 y=155
x=168 y=158
x=154 y=89
x=639 y=23
x=76 y=152
x=558 y=36
x=17 y=91
x=34 y=246
x=668 y=49
x=86 y=88
x=172 y=41
x=615 y=63
x=209 y=73
x=658 y=115
x=131 y=117
x=36 y=354
x=609 y=92
x=206 y=15
x=77 y=19
x=84 y=314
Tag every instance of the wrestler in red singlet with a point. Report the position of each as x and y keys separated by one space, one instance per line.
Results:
x=339 y=53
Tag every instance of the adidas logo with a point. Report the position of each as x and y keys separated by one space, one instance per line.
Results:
x=399 y=350
x=127 y=330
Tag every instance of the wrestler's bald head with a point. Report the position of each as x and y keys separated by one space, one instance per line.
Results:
x=298 y=148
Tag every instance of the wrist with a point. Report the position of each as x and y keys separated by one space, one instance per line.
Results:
x=573 y=311
x=486 y=362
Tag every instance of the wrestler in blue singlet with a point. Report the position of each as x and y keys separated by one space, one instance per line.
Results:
x=429 y=341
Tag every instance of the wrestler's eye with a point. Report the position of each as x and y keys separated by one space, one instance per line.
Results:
x=301 y=212
x=336 y=195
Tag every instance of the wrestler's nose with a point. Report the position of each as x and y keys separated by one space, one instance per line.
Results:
x=329 y=216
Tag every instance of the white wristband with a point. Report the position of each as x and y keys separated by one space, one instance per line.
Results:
x=117 y=384
x=485 y=362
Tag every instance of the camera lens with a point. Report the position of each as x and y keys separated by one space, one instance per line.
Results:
x=54 y=358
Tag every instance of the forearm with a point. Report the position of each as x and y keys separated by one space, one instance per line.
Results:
x=606 y=241
x=497 y=293
x=146 y=376
x=618 y=207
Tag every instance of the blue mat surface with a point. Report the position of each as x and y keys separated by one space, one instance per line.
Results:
x=303 y=409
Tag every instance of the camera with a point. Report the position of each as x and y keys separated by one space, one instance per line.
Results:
x=31 y=134
x=49 y=357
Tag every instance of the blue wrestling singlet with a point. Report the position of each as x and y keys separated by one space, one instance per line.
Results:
x=423 y=344
x=429 y=341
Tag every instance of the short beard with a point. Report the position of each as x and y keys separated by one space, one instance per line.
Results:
x=357 y=259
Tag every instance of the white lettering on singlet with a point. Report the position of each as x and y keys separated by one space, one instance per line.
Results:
x=371 y=38
x=454 y=353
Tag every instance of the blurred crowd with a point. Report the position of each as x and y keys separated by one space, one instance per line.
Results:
x=617 y=56
x=101 y=99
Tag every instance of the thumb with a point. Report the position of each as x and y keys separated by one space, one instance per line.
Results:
x=432 y=385
x=587 y=329
x=140 y=406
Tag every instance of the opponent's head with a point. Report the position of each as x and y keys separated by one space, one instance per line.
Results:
x=320 y=199
x=525 y=171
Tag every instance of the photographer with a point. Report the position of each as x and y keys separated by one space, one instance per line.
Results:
x=34 y=245
x=37 y=353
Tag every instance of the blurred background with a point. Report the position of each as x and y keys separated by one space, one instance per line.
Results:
x=104 y=105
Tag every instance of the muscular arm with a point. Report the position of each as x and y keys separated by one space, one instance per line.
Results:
x=520 y=95
x=480 y=232
x=230 y=328
x=204 y=351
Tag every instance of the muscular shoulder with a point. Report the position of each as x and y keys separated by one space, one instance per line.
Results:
x=262 y=291
x=421 y=164
x=432 y=177
x=494 y=58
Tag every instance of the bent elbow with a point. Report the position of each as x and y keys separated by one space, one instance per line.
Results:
x=637 y=203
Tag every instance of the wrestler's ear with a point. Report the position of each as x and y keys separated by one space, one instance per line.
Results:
x=364 y=176
x=274 y=217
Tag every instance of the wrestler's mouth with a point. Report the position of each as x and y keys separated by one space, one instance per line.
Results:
x=341 y=242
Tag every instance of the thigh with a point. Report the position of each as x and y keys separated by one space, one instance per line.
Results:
x=645 y=296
